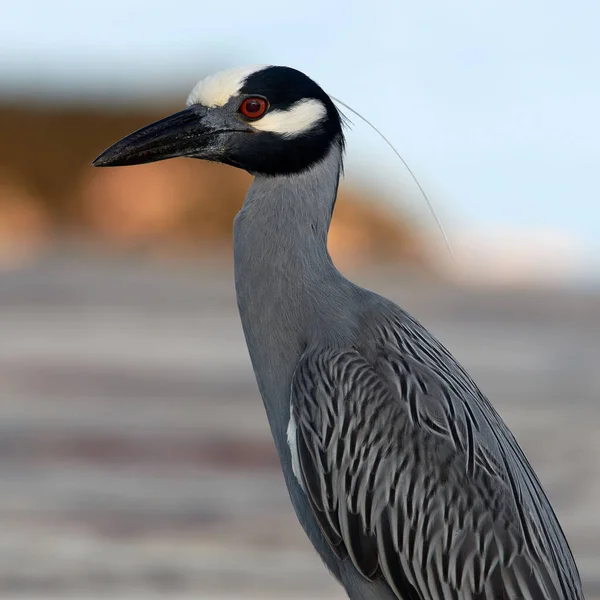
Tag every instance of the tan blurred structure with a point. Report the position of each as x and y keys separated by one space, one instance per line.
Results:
x=48 y=190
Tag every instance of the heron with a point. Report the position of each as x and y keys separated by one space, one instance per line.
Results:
x=404 y=477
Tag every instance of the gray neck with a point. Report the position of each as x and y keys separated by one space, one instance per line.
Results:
x=285 y=280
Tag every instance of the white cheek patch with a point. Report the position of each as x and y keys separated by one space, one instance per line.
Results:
x=300 y=117
x=215 y=90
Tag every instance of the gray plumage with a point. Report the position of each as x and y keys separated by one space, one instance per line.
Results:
x=405 y=479
x=410 y=476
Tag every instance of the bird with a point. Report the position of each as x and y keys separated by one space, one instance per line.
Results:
x=404 y=477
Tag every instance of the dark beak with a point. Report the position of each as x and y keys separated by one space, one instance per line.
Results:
x=183 y=134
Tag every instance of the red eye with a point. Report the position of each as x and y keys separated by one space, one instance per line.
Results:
x=253 y=107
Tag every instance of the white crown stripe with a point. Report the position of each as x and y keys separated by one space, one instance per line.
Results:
x=216 y=90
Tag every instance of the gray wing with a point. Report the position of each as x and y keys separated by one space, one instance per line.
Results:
x=413 y=476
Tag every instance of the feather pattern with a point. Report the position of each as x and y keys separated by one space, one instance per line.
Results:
x=413 y=475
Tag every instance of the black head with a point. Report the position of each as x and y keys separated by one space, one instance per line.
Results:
x=268 y=120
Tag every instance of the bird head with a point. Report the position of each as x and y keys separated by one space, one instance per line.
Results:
x=267 y=120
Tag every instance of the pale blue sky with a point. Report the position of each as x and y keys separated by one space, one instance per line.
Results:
x=495 y=105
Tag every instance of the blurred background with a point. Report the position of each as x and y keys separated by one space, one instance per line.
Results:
x=135 y=458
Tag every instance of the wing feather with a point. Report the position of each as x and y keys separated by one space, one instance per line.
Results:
x=407 y=471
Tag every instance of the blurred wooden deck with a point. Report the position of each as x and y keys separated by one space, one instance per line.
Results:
x=135 y=459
